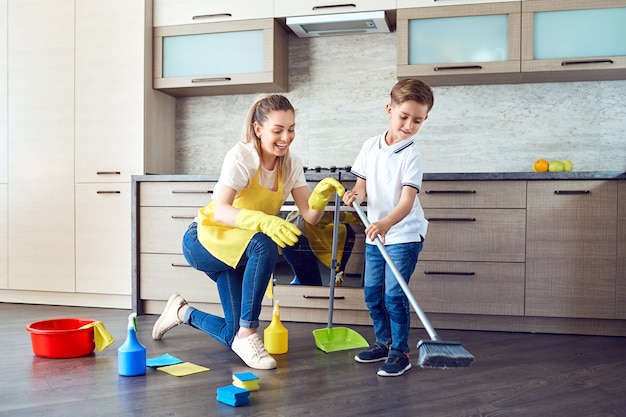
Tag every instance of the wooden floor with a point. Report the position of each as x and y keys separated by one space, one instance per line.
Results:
x=514 y=375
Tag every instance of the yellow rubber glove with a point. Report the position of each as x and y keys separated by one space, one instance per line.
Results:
x=322 y=192
x=281 y=231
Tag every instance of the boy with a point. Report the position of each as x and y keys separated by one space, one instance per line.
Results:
x=389 y=174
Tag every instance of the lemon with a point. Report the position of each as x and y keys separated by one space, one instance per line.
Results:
x=555 y=166
x=567 y=165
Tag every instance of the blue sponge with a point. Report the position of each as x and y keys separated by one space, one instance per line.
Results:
x=233 y=396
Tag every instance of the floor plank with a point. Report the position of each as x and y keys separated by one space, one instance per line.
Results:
x=515 y=374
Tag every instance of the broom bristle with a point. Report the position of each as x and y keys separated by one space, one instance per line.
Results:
x=439 y=354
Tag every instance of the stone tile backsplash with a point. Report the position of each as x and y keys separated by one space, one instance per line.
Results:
x=340 y=85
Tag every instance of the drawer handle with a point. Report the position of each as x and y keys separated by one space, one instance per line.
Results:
x=458 y=67
x=571 y=192
x=210 y=79
x=449 y=273
x=323 y=297
x=174 y=216
x=192 y=191
x=181 y=265
x=331 y=6
x=450 y=191
x=587 y=61
x=108 y=173
x=211 y=16
x=451 y=219
x=108 y=192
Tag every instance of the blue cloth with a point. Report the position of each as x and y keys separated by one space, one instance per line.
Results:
x=387 y=303
x=241 y=289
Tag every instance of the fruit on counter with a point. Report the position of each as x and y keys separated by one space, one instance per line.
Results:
x=540 y=165
x=567 y=165
x=555 y=166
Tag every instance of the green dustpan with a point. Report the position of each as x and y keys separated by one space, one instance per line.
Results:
x=332 y=339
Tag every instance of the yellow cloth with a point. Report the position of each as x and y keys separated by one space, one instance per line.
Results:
x=101 y=337
x=228 y=243
x=183 y=369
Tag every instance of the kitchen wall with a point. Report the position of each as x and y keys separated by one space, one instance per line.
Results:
x=339 y=87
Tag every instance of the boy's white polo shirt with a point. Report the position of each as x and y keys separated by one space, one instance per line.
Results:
x=386 y=169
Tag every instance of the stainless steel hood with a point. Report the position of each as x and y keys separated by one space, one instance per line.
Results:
x=338 y=24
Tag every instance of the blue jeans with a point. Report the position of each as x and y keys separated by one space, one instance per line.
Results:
x=241 y=289
x=387 y=303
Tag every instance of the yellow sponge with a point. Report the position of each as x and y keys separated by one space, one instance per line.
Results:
x=246 y=380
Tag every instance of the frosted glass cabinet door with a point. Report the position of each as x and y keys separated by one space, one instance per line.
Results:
x=574 y=40
x=460 y=44
x=247 y=56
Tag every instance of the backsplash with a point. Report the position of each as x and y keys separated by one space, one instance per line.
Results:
x=340 y=85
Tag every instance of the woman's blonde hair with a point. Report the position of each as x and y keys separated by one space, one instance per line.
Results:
x=259 y=112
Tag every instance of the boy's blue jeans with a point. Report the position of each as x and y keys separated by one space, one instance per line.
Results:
x=241 y=289
x=387 y=303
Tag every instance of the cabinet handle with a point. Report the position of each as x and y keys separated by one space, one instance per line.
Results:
x=451 y=219
x=108 y=173
x=331 y=6
x=210 y=79
x=450 y=191
x=211 y=16
x=458 y=67
x=181 y=265
x=192 y=191
x=449 y=273
x=183 y=217
x=571 y=192
x=587 y=61
x=108 y=192
x=323 y=297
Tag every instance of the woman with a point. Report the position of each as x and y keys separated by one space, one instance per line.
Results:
x=234 y=239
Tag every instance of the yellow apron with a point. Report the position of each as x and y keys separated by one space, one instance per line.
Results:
x=228 y=243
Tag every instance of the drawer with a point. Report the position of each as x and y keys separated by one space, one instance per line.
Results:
x=490 y=235
x=162 y=228
x=469 y=287
x=162 y=275
x=473 y=194
x=176 y=193
x=318 y=297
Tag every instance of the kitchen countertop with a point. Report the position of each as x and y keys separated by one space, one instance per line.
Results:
x=469 y=176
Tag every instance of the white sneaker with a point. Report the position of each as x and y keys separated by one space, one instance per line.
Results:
x=169 y=317
x=252 y=351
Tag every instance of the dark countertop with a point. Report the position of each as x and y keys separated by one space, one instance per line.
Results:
x=469 y=176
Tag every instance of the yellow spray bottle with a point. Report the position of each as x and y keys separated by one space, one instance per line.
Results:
x=276 y=336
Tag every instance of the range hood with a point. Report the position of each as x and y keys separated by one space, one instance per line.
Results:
x=338 y=24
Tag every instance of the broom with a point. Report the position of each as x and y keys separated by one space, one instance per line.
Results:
x=434 y=353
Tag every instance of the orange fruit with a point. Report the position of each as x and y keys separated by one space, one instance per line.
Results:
x=541 y=165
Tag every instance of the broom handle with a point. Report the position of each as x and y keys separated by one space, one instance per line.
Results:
x=333 y=261
x=420 y=313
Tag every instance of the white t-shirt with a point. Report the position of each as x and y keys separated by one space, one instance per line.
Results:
x=242 y=162
x=386 y=169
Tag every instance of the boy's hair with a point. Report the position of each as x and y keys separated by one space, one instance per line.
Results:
x=412 y=89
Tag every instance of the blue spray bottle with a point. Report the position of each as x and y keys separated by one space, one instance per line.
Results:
x=131 y=356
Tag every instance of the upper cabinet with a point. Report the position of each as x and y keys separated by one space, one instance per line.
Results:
x=182 y=12
x=573 y=40
x=239 y=57
x=454 y=45
x=288 y=8
x=403 y=4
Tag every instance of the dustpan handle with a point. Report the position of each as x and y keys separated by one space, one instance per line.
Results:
x=405 y=287
x=333 y=261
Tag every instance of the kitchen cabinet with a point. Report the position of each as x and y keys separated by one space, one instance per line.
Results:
x=289 y=8
x=181 y=12
x=473 y=257
x=573 y=40
x=239 y=57
x=3 y=90
x=463 y=44
x=41 y=145
x=621 y=251
x=4 y=273
x=404 y=4
x=571 y=249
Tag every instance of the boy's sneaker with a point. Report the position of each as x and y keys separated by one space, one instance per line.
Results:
x=375 y=353
x=397 y=363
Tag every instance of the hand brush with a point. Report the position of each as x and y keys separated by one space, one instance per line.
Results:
x=434 y=353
